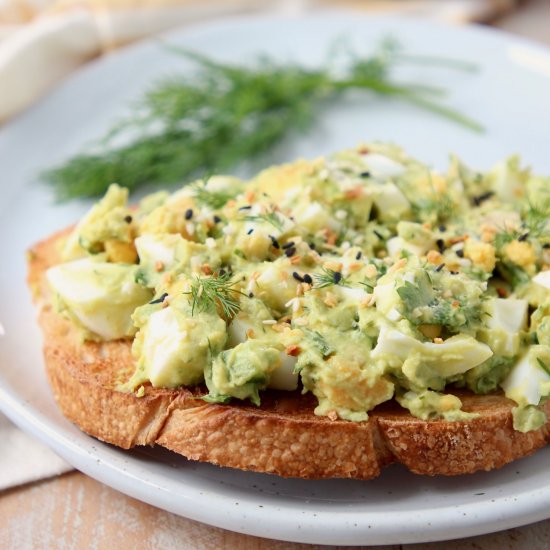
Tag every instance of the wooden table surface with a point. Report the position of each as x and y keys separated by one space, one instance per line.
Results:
x=75 y=512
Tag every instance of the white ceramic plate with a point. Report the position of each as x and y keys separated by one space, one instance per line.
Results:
x=509 y=95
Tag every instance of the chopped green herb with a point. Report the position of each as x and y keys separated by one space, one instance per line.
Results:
x=368 y=286
x=425 y=304
x=319 y=341
x=140 y=277
x=329 y=278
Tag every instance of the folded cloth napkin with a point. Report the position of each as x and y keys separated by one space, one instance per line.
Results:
x=41 y=41
x=23 y=460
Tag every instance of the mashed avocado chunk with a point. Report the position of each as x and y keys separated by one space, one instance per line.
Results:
x=359 y=277
x=242 y=371
x=107 y=227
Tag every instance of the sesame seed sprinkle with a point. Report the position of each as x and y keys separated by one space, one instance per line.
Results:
x=274 y=242
x=289 y=252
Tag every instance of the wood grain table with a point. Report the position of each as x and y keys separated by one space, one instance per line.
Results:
x=75 y=512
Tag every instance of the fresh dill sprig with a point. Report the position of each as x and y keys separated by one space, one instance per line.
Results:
x=224 y=114
x=216 y=291
x=212 y=199
x=502 y=238
x=328 y=277
x=537 y=220
x=269 y=217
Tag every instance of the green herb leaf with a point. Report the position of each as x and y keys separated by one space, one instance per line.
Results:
x=424 y=304
x=319 y=341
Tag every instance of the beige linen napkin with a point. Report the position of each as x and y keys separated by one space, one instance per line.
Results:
x=23 y=460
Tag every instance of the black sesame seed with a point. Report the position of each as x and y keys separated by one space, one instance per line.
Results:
x=337 y=277
x=440 y=244
x=248 y=207
x=289 y=252
x=128 y=219
x=460 y=253
x=546 y=245
x=453 y=272
x=222 y=272
x=442 y=228
x=217 y=219
x=358 y=256
x=289 y=244
x=188 y=213
x=274 y=242
x=251 y=294
x=297 y=276
x=482 y=198
x=378 y=235
x=160 y=299
x=311 y=245
x=308 y=279
x=523 y=237
x=365 y=174
x=440 y=267
x=249 y=232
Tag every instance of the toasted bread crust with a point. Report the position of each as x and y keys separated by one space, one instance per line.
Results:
x=283 y=436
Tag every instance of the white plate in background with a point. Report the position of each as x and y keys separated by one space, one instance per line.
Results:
x=509 y=96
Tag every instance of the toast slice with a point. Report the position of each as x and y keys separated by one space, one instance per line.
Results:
x=282 y=436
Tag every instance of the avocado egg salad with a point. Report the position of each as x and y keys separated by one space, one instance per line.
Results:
x=360 y=277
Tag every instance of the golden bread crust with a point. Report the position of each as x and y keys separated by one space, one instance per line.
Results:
x=282 y=436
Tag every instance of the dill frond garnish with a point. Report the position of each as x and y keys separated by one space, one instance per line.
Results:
x=212 y=199
x=216 y=291
x=226 y=113
x=270 y=217
x=328 y=277
x=537 y=220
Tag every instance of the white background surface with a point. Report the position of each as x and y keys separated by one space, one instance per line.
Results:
x=508 y=97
